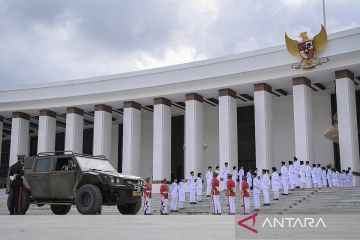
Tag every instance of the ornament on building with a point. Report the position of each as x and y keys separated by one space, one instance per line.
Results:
x=332 y=133
x=307 y=49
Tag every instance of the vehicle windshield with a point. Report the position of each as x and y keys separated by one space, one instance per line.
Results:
x=95 y=164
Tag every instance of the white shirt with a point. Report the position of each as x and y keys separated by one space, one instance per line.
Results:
x=257 y=185
x=209 y=176
x=199 y=182
x=234 y=175
x=224 y=173
x=191 y=182
x=174 y=189
x=284 y=173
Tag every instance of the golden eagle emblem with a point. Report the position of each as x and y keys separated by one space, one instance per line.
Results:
x=307 y=49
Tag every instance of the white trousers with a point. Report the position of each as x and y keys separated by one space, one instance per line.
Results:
x=164 y=205
x=330 y=182
x=147 y=205
x=208 y=188
x=181 y=204
x=198 y=194
x=257 y=200
x=231 y=203
x=266 y=196
x=308 y=183
x=285 y=186
x=324 y=182
x=192 y=194
x=246 y=205
x=174 y=202
x=216 y=204
x=276 y=194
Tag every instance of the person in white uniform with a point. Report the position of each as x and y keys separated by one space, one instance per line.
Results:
x=199 y=187
x=174 y=192
x=297 y=168
x=318 y=176
x=329 y=176
x=285 y=178
x=241 y=174
x=192 y=187
x=249 y=179
x=292 y=176
x=351 y=178
x=209 y=176
x=323 y=177
x=308 y=175
x=181 y=190
x=256 y=191
x=234 y=176
x=275 y=183
x=265 y=185
x=223 y=177
x=302 y=175
x=314 y=177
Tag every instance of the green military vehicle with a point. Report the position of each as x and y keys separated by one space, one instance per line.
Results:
x=88 y=182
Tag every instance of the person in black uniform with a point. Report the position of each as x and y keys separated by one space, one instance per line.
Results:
x=16 y=172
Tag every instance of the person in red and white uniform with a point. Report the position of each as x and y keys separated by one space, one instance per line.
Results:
x=164 y=197
x=147 y=197
x=215 y=194
x=230 y=184
x=245 y=195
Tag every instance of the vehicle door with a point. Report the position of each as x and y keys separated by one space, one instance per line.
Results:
x=40 y=177
x=63 y=178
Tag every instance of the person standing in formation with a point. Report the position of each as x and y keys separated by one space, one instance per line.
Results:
x=230 y=184
x=245 y=195
x=329 y=176
x=313 y=175
x=174 y=188
x=318 y=176
x=265 y=185
x=256 y=191
x=223 y=177
x=181 y=190
x=308 y=175
x=241 y=174
x=292 y=176
x=297 y=172
x=234 y=176
x=215 y=195
x=302 y=175
x=275 y=183
x=164 y=197
x=285 y=178
x=199 y=187
x=209 y=176
x=192 y=188
x=323 y=177
x=147 y=197
x=249 y=179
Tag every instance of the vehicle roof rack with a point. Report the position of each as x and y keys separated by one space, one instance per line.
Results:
x=102 y=157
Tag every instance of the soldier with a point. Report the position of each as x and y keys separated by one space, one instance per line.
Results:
x=147 y=197
x=308 y=175
x=313 y=175
x=256 y=189
x=223 y=177
x=16 y=172
x=297 y=168
x=174 y=196
x=323 y=177
x=329 y=176
x=234 y=176
x=318 y=176
x=192 y=188
x=181 y=190
x=164 y=197
x=230 y=184
x=199 y=187
x=241 y=174
x=215 y=195
x=245 y=195
x=285 y=178
x=302 y=175
x=265 y=185
x=292 y=176
x=275 y=183
x=209 y=176
x=249 y=179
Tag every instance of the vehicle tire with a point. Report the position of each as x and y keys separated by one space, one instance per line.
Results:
x=60 y=209
x=130 y=208
x=88 y=199
x=25 y=200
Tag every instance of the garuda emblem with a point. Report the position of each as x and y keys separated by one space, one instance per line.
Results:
x=307 y=49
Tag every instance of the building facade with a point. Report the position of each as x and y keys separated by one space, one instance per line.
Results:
x=249 y=109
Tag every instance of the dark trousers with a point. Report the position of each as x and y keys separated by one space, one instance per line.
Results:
x=15 y=204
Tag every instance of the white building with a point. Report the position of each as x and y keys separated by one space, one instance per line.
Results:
x=251 y=109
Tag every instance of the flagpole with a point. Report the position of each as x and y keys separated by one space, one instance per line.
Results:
x=324 y=15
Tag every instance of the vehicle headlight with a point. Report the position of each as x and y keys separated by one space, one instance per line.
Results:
x=117 y=180
x=112 y=180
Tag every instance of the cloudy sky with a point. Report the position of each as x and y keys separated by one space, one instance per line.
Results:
x=45 y=41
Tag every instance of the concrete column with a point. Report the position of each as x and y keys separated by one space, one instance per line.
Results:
x=74 y=130
x=115 y=146
x=347 y=122
x=47 y=131
x=194 y=133
x=102 y=131
x=264 y=139
x=131 y=138
x=19 y=144
x=1 y=134
x=303 y=119
x=228 y=146
x=162 y=140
